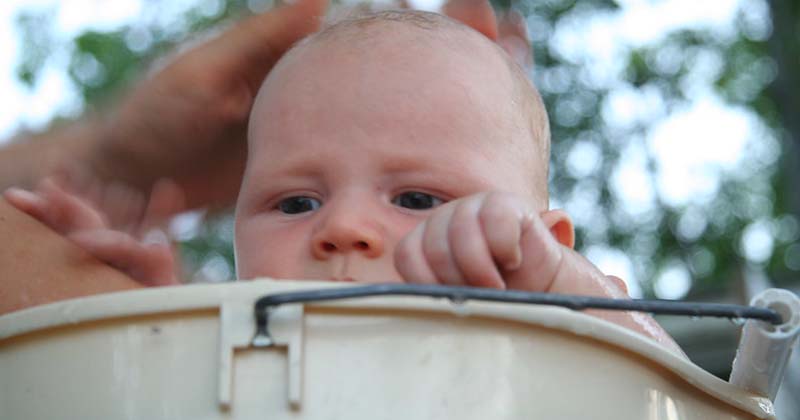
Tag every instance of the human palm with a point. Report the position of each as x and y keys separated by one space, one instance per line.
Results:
x=188 y=121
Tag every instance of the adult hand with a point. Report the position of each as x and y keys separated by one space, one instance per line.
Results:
x=508 y=29
x=188 y=121
x=139 y=251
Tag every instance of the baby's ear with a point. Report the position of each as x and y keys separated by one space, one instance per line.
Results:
x=560 y=225
x=477 y=14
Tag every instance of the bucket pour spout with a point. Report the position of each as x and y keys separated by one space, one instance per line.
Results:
x=764 y=348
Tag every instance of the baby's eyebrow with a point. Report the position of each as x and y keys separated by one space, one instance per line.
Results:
x=296 y=168
x=416 y=164
x=452 y=175
x=442 y=170
x=262 y=179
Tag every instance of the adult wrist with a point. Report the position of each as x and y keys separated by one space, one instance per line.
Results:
x=28 y=159
x=109 y=157
x=78 y=152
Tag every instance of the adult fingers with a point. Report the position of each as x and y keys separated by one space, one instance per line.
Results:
x=27 y=202
x=149 y=264
x=166 y=200
x=68 y=212
x=477 y=14
x=255 y=44
x=469 y=247
x=409 y=259
x=122 y=205
x=513 y=38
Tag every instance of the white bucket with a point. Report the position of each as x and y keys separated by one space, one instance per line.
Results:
x=183 y=353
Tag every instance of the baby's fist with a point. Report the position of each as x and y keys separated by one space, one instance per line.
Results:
x=490 y=239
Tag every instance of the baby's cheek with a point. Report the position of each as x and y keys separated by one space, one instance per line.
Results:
x=267 y=262
x=401 y=228
x=258 y=253
x=398 y=232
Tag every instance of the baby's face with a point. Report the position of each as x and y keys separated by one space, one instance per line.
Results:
x=351 y=148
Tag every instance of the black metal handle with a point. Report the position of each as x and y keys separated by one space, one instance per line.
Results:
x=462 y=294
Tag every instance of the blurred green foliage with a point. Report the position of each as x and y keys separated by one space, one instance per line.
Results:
x=37 y=39
x=748 y=73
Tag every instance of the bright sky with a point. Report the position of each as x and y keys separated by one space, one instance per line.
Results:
x=54 y=94
x=682 y=177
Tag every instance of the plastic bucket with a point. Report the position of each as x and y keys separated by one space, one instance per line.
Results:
x=184 y=353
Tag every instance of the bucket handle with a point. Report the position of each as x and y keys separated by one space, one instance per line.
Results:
x=265 y=304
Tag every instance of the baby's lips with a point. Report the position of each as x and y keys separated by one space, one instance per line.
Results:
x=343 y=279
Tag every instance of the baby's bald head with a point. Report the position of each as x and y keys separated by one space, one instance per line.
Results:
x=421 y=53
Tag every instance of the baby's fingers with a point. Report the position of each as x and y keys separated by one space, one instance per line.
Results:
x=543 y=258
x=409 y=259
x=437 y=248
x=149 y=264
x=501 y=217
x=470 y=250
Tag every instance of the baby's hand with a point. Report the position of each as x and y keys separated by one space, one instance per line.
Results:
x=491 y=239
x=496 y=240
x=77 y=218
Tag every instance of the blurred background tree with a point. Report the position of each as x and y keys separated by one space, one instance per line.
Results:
x=676 y=141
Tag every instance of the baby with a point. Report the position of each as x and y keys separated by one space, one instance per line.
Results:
x=392 y=147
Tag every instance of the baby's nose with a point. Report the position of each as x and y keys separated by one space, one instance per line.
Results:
x=343 y=236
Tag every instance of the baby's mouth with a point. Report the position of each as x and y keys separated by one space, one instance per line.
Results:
x=365 y=279
x=351 y=269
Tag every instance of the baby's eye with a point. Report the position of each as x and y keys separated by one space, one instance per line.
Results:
x=298 y=204
x=416 y=200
